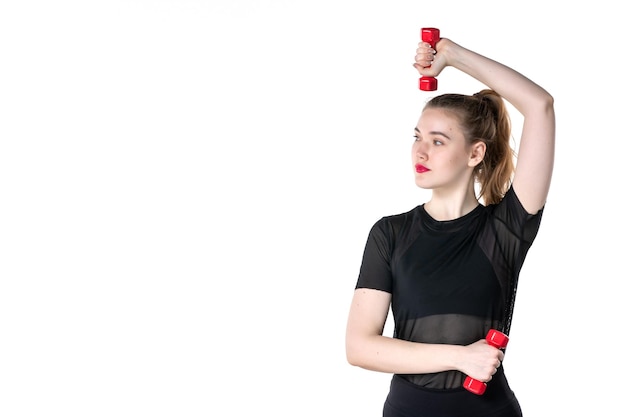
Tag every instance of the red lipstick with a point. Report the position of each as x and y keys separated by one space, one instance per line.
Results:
x=419 y=168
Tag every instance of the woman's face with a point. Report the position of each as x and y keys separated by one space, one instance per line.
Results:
x=440 y=154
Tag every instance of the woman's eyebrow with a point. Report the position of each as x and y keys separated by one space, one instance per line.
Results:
x=435 y=132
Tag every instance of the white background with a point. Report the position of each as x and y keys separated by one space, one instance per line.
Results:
x=186 y=188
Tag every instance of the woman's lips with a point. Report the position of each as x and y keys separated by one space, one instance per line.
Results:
x=421 y=168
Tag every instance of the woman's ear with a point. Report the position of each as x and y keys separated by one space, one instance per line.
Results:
x=477 y=153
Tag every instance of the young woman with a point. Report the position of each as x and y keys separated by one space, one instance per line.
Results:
x=448 y=269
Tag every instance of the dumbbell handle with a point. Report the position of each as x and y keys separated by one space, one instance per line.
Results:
x=430 y=35
x=496 y=339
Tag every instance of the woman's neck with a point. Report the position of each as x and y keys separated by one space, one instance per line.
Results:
x=450 y=207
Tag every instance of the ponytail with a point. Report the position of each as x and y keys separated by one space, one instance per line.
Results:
x=484 y=117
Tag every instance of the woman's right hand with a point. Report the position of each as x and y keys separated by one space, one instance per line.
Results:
x=481 y=360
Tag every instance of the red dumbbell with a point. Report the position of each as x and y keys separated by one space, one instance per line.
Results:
x=496 y=339
x=430 y=35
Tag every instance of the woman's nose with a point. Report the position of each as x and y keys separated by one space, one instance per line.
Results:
x=420 y=151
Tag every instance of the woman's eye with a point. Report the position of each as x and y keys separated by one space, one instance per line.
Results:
x=438 y=143
x=416 y=137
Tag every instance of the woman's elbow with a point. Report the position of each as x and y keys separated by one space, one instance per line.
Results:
x=353 y=359
x=356 y=352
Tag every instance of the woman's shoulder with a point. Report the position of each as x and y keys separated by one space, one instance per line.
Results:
x=401 y=218
x=511 y=203
x=393 y=224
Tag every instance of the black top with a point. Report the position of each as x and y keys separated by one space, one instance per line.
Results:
x=450 y=281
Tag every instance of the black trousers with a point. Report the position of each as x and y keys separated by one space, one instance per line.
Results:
x=409 y=400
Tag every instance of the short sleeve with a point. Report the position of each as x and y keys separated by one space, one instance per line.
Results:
x=518 y=221
x=375 y=270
